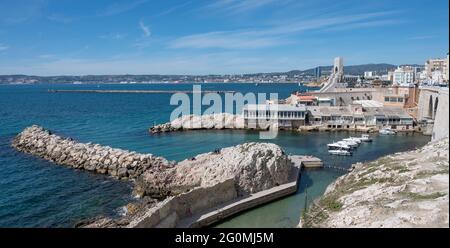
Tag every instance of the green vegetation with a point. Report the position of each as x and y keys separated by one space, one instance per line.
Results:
x=420 y=197
x=331 y=202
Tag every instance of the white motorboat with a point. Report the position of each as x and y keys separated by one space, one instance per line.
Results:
x=339 y=146
x=350 y=143
x=366 y=138
x=387 y=131
x=357 y=139
x=353 y=139
x=340 y=152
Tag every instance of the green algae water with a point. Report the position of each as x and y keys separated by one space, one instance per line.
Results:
x=37 y=193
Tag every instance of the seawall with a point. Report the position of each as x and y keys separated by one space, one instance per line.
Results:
x=118 y=163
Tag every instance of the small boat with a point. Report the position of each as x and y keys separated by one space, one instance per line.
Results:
x=339 y=146
x=357 y=139
x=352 y=139
x=350 y=143
x=366 y=138
x=387 y=131
x=340 y=152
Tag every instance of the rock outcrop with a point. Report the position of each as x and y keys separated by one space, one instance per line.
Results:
x=91 y=157
x=407 y=189
x=253 y=166
x=193 y=122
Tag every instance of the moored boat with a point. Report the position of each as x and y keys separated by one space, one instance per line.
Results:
x=340 y=152
x=366 y=138
x=387 y=131
x=339 y=146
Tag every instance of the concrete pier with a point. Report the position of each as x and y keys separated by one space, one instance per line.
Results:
x=231 y=208
x=306 y=161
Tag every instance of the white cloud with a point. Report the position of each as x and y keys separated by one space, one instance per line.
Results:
x=424 y=37
x=112 y=36
x=238 y=6
x=3 y=47
x=145 y=29
x=118 y=8
x=277 y=34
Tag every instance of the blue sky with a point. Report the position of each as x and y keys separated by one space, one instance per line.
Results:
x=74 y=37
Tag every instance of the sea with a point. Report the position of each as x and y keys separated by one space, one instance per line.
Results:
x=37 y=193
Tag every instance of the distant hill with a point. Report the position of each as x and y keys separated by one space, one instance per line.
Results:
x=354 y=69
x=292 y=76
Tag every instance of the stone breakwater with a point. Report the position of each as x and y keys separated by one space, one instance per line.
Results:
x=407 y=189
x=252 y=166
x=194 y=122
x=91 y=157
x=169 y=193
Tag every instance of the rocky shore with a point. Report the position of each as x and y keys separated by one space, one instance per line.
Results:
x=193 y=122
x=407 y=189
x=118 y=163
x=168 y=192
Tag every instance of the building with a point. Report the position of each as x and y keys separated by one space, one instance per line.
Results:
x=440 y=65
x=404 y=75
x=355 y=116
x=318 y=72
x=369 y=74
x=283 y=116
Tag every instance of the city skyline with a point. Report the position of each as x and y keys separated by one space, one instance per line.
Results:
x=45 y=38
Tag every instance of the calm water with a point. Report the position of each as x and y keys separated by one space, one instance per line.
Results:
x=36 y=193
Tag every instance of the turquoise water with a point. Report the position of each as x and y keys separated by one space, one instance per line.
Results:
x=37 y=193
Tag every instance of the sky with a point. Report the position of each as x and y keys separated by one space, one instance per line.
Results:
x=81 y=37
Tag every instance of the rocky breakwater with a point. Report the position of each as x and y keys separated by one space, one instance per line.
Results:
x=203 y=183
x=407 y=189
x=252 y=166
x=194 y=122
x=91 y=157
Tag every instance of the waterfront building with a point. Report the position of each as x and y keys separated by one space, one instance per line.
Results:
x=356 y=117
x=284 y=116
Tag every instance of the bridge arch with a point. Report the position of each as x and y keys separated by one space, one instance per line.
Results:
x=430 y=107
x=436 y=103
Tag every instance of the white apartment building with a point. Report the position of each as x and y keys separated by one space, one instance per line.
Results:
x=403 y=75
x=369 y=74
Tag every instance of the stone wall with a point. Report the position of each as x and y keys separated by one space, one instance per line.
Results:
x=169 y=213
x=91 y=157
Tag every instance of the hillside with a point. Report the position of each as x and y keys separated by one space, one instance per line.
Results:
x=407 y=189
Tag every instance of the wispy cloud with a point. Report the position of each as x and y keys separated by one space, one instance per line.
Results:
x=277 y=34
x=368 y=24
x=3 y=47
x=118 y=8
x=424 y=37
x=112 y=36
x=238 y=6
x=145 y=29
x=19 y=11
x=173 y=9
x=59 y=18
